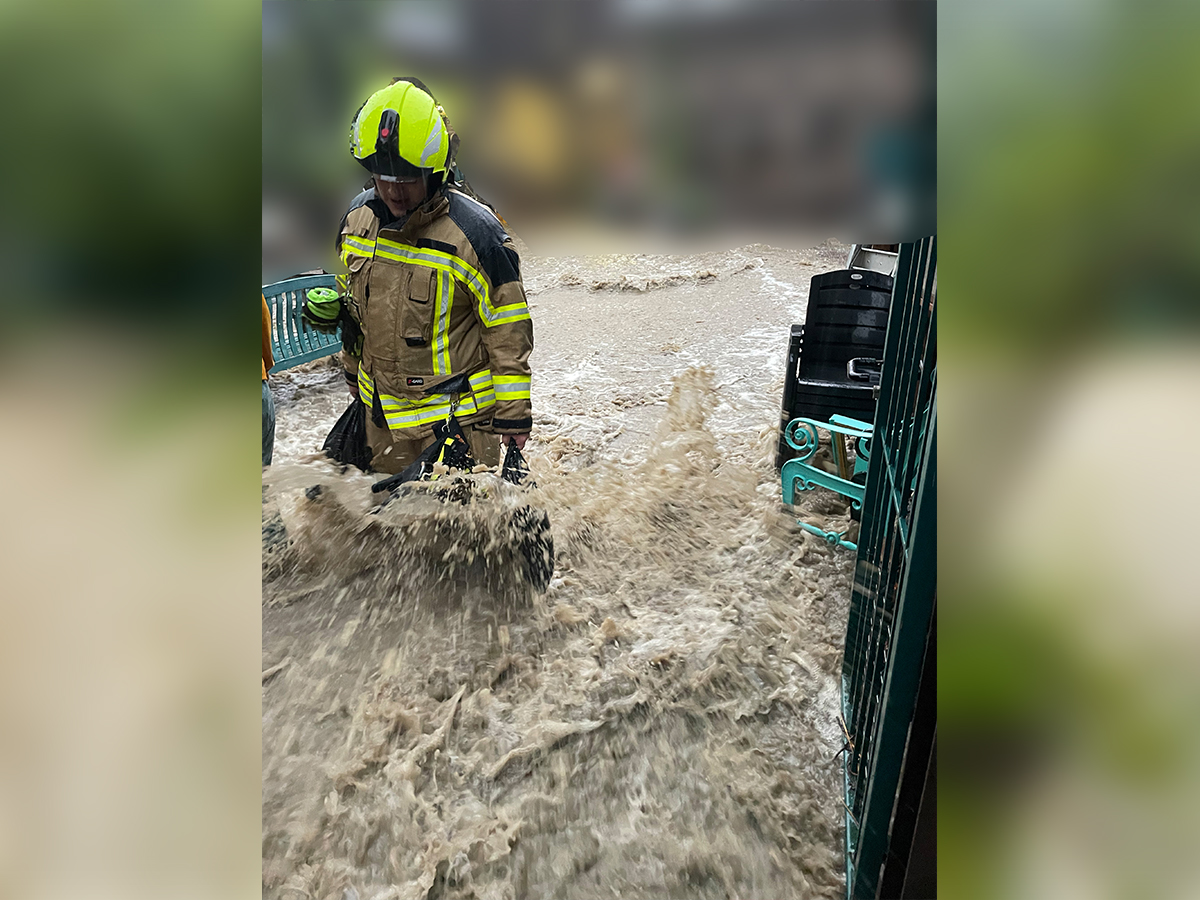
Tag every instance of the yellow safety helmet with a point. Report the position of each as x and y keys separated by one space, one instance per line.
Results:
x=399 y=132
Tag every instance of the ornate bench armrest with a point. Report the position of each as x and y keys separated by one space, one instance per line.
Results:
x=799 y=474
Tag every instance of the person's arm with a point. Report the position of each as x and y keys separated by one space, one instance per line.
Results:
x=508 y=336
x=355 y=246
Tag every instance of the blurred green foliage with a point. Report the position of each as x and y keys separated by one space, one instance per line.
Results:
x=1068 y=173
x=130 y=182
x=132 y=186
x=130 y=240
x=1067 y=193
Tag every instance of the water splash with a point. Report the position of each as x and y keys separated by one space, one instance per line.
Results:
x=661 y=722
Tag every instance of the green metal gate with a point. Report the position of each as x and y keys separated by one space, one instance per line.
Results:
x=889 y=693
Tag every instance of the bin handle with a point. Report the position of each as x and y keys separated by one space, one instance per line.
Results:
x=854 y=372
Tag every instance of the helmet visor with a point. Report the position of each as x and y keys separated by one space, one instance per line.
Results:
x=398 y=179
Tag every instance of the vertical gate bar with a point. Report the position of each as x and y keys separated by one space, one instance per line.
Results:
x=903 y=361
x=863 y=621
x=871 y=624
x=915 y=378
x=865 y=698
x=909 y=381
x=916 y=607
x=895 y=572
x=871 y=524
x=920 y=437
x=875 y=671
x=918 y=749
x=897 y=346
x=928 y=354
x=888 y=381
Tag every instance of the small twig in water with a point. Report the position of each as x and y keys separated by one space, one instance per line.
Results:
x=846 y=732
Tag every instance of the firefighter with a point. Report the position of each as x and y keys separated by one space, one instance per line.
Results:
x=433 y=282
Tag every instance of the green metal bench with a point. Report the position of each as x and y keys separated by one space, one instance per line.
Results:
x=799 y=474
x=294 y=341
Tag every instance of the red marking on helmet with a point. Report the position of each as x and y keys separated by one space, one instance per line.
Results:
x=384 y=132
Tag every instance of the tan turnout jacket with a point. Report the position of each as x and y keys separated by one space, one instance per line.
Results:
x=437 y=295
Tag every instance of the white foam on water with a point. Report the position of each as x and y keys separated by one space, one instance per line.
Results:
x=662 y=721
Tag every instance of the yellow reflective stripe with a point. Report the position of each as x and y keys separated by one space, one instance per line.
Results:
x=512 y=387
x=402 y=412
x=482 y=380
x=514 y=312
x=441 y=327
x=435 y=259
x=363 y=246
x=365 y=387
x=446 y=262
x=355 y=246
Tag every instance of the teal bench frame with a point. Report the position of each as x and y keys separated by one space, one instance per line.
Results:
x=800 y=475
x=294 y=341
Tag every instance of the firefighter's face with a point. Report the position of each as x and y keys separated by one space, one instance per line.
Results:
x=401 y=196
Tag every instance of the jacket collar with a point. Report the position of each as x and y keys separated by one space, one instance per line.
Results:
x=433 y=208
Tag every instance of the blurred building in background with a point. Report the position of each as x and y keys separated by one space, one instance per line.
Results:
x=618 y=126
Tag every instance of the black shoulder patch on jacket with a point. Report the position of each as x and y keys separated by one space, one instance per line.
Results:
x=369 y=199
x=431 y=244
x=487 y=236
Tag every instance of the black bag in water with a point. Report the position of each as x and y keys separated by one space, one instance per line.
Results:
x=449 y=445
x=347 y=440
x=515 y=469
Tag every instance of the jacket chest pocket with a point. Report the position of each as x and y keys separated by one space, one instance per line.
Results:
x=358 y=294
x=358 y=280
x=405 y=294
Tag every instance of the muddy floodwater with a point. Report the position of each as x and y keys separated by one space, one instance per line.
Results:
x=661 y=721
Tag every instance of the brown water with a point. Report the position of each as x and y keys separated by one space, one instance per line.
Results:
x=662 y=721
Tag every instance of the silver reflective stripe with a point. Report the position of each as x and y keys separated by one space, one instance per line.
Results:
x=441 y=328
x=401 y=412
x=512 y=387
x=401 y=415
x=433 y=142
x=364 y=246
x=491 y=315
